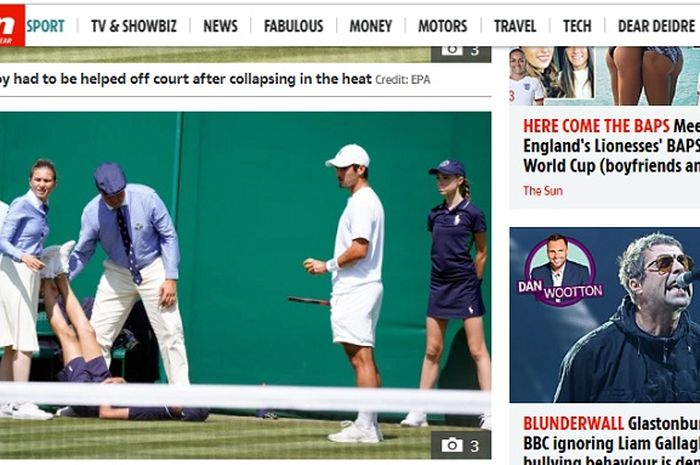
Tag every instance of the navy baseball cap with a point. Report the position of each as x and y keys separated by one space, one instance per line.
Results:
x=110 y=179
x=450 y=167
x=194 y=414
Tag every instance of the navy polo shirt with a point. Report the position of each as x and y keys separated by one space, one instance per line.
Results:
x=453 y=236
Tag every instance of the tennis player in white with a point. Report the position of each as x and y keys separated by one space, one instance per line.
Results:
x=356 y=267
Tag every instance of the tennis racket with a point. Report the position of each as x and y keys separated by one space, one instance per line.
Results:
x=307 y=300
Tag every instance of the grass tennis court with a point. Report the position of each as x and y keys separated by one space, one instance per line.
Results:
x=220 y=437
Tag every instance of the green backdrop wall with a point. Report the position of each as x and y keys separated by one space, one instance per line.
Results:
x=252 y=199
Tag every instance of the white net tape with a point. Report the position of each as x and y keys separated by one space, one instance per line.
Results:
x=250 y=397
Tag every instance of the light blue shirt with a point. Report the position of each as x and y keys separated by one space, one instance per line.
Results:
x=3 y=212
x=24 y=229
x=150 y=226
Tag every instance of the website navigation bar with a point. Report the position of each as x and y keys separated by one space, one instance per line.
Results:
x=343 y=25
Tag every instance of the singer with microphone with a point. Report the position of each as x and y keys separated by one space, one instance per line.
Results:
x=649 y=349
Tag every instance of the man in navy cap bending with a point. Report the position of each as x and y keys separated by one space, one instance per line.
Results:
x=136 y=232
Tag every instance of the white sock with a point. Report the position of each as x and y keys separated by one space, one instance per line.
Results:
x=366 y=419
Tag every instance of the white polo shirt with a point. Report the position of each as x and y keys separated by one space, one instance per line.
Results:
x=363 y=217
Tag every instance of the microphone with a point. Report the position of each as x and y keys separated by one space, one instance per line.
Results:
x=688 y=277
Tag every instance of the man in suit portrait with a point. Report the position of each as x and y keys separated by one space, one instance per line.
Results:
x=560 y=271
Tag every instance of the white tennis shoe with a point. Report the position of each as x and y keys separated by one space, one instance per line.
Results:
x=6 y=410
x=485 y=421
x=56 y=259
x=66 y=412
x=415 y=419
x=63 y=264
x=29 y=411
x=353 y=433
x=50 y=256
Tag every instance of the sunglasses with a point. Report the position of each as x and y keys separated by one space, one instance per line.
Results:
x=664 y=263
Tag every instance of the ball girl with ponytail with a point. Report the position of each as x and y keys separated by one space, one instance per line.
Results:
x=457 y=226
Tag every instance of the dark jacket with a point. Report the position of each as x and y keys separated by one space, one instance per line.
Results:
x=575 y=274
x=618 y=362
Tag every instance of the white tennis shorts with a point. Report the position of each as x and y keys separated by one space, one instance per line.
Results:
x=354 y=315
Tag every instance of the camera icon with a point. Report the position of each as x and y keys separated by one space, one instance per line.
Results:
x=452 y=444
x=452 y=51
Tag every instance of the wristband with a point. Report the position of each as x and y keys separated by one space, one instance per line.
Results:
x=332 y=265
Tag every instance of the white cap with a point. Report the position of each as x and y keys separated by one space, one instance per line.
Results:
x=351 y=154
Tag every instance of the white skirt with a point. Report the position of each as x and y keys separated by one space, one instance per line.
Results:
x=19 y=301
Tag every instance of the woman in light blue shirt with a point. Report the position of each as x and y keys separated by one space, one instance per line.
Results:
x=3 y=211
x=21 y=241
